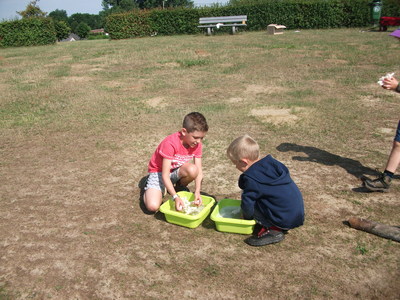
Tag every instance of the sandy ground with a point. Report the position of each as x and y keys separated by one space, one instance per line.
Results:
x=72 y=228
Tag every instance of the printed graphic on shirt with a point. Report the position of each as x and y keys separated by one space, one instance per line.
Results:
x=179 y=160
x=171 y=148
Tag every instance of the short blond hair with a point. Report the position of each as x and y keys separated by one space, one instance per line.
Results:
x=243 y=147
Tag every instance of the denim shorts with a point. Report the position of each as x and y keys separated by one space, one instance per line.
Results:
x=155 y=181
x=397 y=136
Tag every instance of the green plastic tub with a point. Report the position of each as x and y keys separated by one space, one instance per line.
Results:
x=179 y=218
x=229 y=224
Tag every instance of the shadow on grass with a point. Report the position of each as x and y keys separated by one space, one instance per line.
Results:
x=353 y=167
x=141 y=186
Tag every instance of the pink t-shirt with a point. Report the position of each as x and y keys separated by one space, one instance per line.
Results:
x=171 y=148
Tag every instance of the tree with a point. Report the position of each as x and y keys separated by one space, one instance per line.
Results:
x=59 y=15
x=113 y=6
x=62 y=30
x=116 y=6
x=93 y=21
x=32 y=10
x=82 y=30
x=166 y=3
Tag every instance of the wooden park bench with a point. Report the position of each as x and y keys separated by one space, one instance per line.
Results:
x=210 y=23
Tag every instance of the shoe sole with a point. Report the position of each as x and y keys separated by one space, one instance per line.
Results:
x=252 y=241
x=374 y=189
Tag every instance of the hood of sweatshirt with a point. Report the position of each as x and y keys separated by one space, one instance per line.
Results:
x=269 y=171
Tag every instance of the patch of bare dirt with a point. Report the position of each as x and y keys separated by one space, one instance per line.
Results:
x=235 y=99
x=277 y=116
x=324 y=83
x=157 y=102
x=261 y=89
x=202 y=53
x=172 y=64
x=76 y=79
x=370 y=100
x=335 y=61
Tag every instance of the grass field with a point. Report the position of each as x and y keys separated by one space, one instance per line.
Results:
x=79 y=122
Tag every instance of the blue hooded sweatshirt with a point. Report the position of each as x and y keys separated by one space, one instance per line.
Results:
x=268 y=187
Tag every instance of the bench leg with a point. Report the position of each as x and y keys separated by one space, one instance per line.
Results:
x=234 y=29
x=208 y=30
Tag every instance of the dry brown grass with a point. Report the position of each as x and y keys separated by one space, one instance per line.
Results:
x=79 y=121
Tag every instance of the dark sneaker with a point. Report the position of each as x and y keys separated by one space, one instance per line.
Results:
x=181 y=188
x=380 y=184
x=265 y=236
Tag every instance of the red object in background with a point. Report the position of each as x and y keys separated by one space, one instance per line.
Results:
x=388 y=21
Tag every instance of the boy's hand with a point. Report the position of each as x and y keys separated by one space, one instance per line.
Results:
x=197 y=199
x=179 y=205
x=390 y=83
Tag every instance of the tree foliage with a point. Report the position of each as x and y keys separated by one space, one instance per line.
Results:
x=59 y=15
x=119 y=5
x=113 y=6
x=32 y=10
x=93 y=21
x=62 y=29
x=82 y=30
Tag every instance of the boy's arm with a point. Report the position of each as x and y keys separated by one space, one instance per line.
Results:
x=247 y=205
x=166 y=167
x=248 y=198
x=198 y=181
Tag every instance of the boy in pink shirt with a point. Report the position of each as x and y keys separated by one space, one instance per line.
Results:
x=171 y=163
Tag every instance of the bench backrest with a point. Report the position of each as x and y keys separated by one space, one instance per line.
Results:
x=227 y=19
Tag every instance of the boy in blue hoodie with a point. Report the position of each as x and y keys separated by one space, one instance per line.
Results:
x=269 y=194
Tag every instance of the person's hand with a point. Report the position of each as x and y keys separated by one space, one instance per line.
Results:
x=390 y=83
x=197 y=199
x=179 y=205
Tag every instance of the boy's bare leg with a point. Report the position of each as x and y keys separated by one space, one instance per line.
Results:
x=394 y=158
x=187 y=173
x=152 y=198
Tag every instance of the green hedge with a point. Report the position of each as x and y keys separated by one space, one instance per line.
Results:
x=128 y=25
x=27 y=32
x=294 y=14
x=175 y=21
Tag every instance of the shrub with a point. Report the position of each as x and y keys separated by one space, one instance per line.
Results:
x=62 y=29
x=27 y=32
x=97 y=36
x=82 y=30
x=128 y=25
x=303 y=14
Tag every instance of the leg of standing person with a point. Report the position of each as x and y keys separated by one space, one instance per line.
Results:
x=382 y=183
